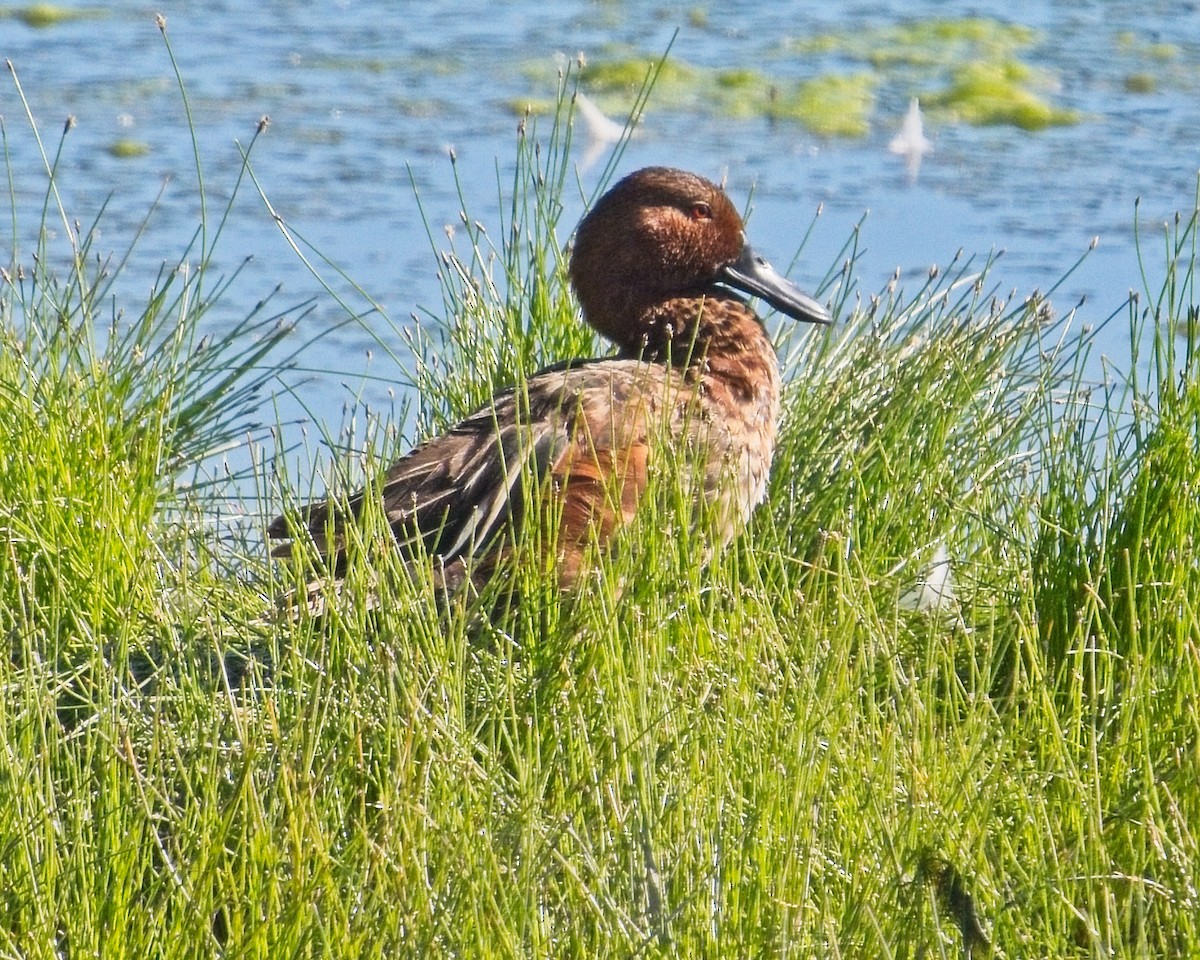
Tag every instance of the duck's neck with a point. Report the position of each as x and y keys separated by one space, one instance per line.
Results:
x=715 y=336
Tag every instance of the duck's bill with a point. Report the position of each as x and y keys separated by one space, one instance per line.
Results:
x=751 y=274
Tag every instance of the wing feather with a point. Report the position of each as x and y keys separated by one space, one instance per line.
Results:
x=584 y=425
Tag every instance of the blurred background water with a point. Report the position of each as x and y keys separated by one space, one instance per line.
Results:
x=361 y=93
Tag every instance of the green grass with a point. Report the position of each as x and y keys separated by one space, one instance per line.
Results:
x=768 y=755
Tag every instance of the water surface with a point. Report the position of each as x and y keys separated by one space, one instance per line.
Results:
x=362 y=96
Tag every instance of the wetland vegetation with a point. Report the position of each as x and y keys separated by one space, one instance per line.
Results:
x=798 y=749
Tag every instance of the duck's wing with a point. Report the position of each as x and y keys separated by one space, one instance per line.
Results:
x=454 y=492
x=584 y=426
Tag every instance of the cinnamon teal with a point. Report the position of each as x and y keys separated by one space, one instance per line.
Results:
x=657 y=266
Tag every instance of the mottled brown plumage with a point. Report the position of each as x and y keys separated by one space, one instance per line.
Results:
x=695 y=375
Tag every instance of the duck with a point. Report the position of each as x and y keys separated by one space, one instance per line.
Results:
x=662 y=269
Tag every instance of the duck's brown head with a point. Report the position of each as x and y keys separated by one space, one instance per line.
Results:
x=662 y=235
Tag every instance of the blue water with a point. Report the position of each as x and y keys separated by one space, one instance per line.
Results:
x=361 y=94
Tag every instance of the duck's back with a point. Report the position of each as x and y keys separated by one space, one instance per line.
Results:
x=583 y=429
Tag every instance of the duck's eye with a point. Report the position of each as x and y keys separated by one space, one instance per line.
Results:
x=700 y=211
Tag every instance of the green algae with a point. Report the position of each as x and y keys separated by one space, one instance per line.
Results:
x=924 y=43
x=1140 y=83
x=1152 y=64
x=832 y=105
x=1162 y=51
x=625 y=74
x=531 y=106
x=44 y=15
x=965 y=69
x=971 y=61
x=1129 y=42
x=999 y=93
x=421 y=107
x=438 y=66
x=740 y=79
x=126 y=149
x=983 y=31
